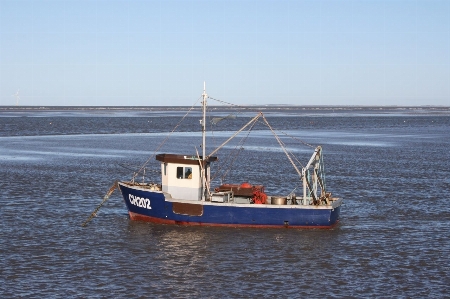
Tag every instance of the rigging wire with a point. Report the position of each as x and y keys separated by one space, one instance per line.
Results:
x=282 y=146
x=252 y=122
x=236 y=152
x=237 y=149
x=254 y=119
x=223 y=102
x=290 y=155
x=298 y=139
x=165 y=140
x=234 y=105
x=243 y=140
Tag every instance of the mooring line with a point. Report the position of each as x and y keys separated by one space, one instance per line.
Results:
x=108 y=194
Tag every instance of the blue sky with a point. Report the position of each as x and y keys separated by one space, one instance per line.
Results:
x=157 y=53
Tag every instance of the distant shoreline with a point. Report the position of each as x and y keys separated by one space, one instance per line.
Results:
x=224 y=108
x=268 y=110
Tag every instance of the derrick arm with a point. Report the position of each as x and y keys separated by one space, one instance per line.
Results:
x=234 y=135
x=312 y=183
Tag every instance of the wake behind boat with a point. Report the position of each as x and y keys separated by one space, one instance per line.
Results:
x=184 y=194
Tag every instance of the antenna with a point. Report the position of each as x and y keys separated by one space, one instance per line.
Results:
x=17 y=97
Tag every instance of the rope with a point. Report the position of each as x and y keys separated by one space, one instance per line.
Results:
x=108 y=194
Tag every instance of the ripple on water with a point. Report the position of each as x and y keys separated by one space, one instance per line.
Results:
x=392 y=240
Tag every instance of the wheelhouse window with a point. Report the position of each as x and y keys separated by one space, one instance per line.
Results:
x=184 y=172
x=188 y=172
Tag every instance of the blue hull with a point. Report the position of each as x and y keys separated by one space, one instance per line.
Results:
x=152 y=206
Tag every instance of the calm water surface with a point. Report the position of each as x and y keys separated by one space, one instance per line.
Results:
x=391 y=168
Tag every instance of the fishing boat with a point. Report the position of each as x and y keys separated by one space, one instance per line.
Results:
x=184 y=195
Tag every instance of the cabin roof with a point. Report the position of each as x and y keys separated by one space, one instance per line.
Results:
x=182 y=159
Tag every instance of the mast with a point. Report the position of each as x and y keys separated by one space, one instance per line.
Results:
x=204 y=95
x=205 y=176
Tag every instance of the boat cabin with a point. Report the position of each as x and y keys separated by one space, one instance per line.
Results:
x=181 y=176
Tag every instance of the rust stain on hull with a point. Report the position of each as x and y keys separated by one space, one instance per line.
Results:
x=187 y=209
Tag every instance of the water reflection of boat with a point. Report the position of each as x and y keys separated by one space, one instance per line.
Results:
x=184 y=194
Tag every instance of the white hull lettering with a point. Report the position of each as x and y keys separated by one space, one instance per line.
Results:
x=139 y=201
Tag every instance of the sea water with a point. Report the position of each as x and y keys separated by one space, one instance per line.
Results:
x=391 y=167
